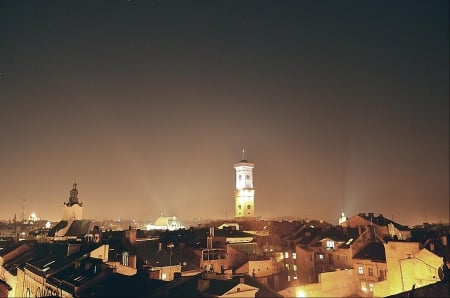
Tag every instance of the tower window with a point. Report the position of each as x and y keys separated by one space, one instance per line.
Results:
x=249 y=207
x=247 y=177
x=240 y=177
x=240 y=207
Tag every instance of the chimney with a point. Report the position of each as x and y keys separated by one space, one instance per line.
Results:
x=132 y=261
x=209 y=242
x=241 y=280
x=202 y=284
x=371 y=214
x=444 y=240
x=130 y=234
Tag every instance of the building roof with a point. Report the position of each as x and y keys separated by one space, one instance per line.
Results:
x=382 y=221
x=17 y=255
x=188 y=286
x=148 y=252
x=231 y=233
x=118 y=285
x=373 y=251
x=335 y=234
x=83 y=272
x=439 y=289
x=79 y=228
x=60 y=225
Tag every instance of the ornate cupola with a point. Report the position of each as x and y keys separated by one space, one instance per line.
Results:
x=73 y=198
x=73 y=209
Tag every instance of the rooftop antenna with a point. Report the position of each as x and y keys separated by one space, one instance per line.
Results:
x=23 y=210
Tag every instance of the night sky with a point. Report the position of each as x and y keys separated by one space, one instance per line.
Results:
x=148 y=104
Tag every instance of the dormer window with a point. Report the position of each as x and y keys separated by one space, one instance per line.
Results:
x=330 y=244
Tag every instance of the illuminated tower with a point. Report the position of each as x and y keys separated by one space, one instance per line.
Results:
x=244 y=193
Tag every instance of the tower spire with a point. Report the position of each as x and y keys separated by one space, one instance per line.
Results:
x=243 y=153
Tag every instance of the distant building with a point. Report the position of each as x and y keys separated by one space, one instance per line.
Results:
x=384 y=228
x=170 y=223
x=244 y=193
x=343 y=218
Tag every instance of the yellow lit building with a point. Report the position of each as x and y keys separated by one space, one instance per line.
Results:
x=244 y=192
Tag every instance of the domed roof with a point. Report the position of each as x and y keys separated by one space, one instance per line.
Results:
x=164 y=220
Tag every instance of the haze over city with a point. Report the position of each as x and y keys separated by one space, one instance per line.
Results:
x=148 y=104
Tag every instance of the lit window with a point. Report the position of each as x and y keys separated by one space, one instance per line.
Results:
x=295 y=267
x=286 y=255
x=164 y=276
x=289 y=278
x=287 y=266
x=295 y=277
x=330 y=244
x=294 y=255
x=371 y=287
x=370 y=271
x=321 y=257
x=360 y=270
x=363 y=287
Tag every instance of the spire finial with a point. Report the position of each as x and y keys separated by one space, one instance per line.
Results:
x=243 y=153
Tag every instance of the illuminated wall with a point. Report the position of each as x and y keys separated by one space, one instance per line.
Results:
x=407 y=265
x=244 y=193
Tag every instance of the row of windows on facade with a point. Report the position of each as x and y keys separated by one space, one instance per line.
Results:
x=370 y=271
x=248 y=207
x=321 y=256
x=247 y=177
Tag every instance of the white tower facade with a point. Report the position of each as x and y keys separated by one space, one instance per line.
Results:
x=244 y=192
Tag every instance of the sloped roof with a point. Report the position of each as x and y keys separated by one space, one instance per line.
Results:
x=439 y=289
x=117 y=285
x=79 y=228
x=308 y=235
x=71 y=277
x=188 y=287
x=180 y=287
x=373 y=251
x=148 y=251
x=229 y=233
x=383 y=221
x=335 y=233
x=60 y=225
x=220 y=287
